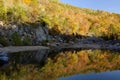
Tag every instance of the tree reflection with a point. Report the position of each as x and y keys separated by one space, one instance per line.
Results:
x=65 y=64
x=86 y=61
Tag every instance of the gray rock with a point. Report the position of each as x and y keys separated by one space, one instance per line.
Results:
x=36 y=34
x=54 y=44
x=117 y=44
x=41 y=33
x=2 y=32
x=1 y=45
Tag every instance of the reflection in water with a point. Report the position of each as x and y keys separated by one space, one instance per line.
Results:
x=34 y=57
x=3 y=59
x=38 y=65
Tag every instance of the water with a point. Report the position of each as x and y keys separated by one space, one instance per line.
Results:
x=66 y=65
x=109 y=75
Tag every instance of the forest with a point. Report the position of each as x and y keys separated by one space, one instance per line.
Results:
x=61 y=18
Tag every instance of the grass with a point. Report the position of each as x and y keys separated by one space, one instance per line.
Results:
x=64 y=18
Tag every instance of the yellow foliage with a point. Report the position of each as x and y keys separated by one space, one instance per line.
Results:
x=103 y=29
x=28 y=2
x=70 y=19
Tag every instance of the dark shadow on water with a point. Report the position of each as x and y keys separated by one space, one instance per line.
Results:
x=37 y=58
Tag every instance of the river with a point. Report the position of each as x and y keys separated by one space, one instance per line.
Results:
x=63 y=65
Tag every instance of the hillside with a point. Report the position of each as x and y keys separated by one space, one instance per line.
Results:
x=60 y=18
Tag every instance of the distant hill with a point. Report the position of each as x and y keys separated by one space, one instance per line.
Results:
x=63 y=18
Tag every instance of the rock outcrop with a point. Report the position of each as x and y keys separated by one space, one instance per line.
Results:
x=23 y=34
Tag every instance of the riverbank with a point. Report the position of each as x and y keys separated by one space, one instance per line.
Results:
x=89 y=43
x=13 y=49
x=84 y=43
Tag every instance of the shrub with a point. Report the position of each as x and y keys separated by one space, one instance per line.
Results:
x=26 y=41
x=16 y=39
x=3 y=41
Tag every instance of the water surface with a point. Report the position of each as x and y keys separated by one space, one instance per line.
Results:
x=66 y=65
x=109 y=75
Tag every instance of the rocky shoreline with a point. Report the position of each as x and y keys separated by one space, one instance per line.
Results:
x=13 y=49
x=86 y=43
x=92 y=43
x=36 y=36
x=80 y=44
x=23 y=34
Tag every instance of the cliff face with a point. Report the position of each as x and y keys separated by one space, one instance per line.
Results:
x=23 y=34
